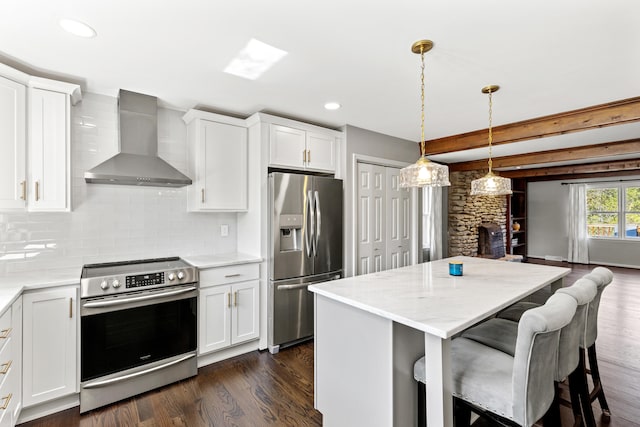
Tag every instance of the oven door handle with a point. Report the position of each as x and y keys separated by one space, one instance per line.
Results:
x=110 y=303
x=137 y=374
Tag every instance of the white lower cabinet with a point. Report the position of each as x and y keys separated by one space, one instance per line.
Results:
x=228 y=307
x=50 y=327
x=10 y=363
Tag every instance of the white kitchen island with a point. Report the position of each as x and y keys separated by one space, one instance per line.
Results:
x=370 y=329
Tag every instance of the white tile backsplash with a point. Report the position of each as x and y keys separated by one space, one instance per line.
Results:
x=108 y=222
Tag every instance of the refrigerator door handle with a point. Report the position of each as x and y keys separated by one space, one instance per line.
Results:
x=318 y=222
x=309 y=235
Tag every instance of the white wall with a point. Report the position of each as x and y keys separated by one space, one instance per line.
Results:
x=547 y=219
x=547 y=216
x=110 y=223
x=367 y=143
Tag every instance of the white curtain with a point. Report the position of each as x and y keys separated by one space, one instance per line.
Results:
x=578 y=239
x=433 y=221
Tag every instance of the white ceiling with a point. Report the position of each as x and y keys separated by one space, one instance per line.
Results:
x=547 y=56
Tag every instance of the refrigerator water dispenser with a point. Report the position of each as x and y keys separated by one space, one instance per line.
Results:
x=290 y=233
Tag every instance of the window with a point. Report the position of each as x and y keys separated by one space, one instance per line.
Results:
x=613 y=211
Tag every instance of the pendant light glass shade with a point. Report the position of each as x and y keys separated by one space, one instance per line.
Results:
x=423 y=172
x=491 y=184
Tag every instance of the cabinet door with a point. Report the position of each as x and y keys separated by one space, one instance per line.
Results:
x=12 y=145
x=50 y=345
x=215 y=318
x=321 y=152
x=48 y=150
x=287 y=147
x=244 y=313
x=223 y=167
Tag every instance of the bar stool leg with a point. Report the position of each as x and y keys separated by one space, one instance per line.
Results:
x=598 y=391
x=422 y=404
x=583 y=386
x=552 y=416
x=462 y=413
x=574 y=391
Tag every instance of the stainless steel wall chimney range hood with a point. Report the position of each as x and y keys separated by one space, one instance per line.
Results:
x=137 y=162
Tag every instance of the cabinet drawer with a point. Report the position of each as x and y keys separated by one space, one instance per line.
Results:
x=6 y=360
x=5 y=328
x=9 y=398
x=230 y=274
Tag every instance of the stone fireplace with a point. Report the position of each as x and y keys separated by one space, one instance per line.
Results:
x=467 y=212
x=490 y=241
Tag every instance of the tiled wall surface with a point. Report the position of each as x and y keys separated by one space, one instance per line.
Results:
x=111 y=223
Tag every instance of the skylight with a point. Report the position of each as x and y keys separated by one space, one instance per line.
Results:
x=252 y=61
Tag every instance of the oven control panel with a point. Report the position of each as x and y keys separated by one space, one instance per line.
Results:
x=141 y=280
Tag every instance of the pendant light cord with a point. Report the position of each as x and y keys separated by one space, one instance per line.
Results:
x=490 y=127
x=423 y=146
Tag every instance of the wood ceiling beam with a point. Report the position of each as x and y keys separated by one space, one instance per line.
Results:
x=631 y=146
x=620 y=167
x=597 y=116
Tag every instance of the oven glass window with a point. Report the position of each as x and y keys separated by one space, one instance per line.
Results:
x=123 y=339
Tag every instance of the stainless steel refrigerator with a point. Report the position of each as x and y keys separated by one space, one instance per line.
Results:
x=305 y=247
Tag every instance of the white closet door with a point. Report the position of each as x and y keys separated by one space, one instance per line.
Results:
x=397 y=220
x=371 y=212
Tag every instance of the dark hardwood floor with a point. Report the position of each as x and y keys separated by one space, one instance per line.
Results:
x=260 y=389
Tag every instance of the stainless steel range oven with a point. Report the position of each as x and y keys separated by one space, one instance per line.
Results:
x=138 y=324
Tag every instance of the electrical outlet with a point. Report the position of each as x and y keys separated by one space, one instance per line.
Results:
x=224 y=230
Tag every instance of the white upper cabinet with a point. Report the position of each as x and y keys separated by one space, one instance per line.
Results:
x=49 y=151
x=35 y=172
x=217 y=150
x=300 y=149
x=13 y=191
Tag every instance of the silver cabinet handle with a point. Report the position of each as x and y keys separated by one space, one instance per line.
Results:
x=23 y=186
x=232 y=275
x=37 y=191
x=308 y=156
x=304 y=156
x=202 y=195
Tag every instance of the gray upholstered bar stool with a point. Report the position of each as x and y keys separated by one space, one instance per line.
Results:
x=516 y=390
x=602 y=276
x=501 y=334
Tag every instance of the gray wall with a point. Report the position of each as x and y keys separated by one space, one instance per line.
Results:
x=547 y=215
x=364 y=142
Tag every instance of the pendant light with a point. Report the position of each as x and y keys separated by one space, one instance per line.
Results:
x=423 y=172
x=491 y=184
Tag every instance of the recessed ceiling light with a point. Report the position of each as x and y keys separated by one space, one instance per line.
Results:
x=332 y=105
x=77 y=28
x=252 y=61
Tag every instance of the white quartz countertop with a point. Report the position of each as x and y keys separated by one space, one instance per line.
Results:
x=427 y=298
x=221 y=260
x=12 y=285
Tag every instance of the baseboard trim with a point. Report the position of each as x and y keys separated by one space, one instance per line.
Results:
x=47 y=408
x=217 y=356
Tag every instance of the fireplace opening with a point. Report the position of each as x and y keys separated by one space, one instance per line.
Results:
x=490 y=241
